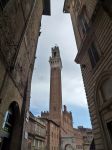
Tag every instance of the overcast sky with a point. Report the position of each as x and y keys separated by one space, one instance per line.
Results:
x=57 y=30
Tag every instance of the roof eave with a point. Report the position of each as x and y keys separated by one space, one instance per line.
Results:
x=47 y=7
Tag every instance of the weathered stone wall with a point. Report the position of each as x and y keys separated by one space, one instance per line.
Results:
x=90 y=6
x=19 y=31
x=103 y=40
x=100 y=32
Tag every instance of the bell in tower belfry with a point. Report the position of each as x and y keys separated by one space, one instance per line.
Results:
x=55 y=85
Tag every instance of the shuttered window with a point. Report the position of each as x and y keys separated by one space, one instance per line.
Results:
x=93 y=55
x=83 y=24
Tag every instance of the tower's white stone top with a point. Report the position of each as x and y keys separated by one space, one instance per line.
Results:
x=55 y=59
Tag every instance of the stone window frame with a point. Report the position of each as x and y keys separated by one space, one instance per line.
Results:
x=93 y=54
x=102 y=92
x=83 y=22
x=100 y=102
x=102 y=108
x=99 y=95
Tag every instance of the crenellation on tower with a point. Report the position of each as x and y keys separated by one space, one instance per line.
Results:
x=67 y=118
x=45 y=114
x=68 y=113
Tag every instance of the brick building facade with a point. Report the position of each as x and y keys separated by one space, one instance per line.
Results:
x=20 y=22
x=67 y=122
x=92 y=24
x=55 y=86
x=52 y=134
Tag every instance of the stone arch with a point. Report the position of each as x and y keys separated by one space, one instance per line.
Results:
x=103 y=81
x=68 y=147
x=103 y=102
x=11 y=128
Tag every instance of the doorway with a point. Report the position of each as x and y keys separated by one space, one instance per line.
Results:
x=11 y=128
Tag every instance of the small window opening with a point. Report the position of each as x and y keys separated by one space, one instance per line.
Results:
x=109 y=126
x=54 y=54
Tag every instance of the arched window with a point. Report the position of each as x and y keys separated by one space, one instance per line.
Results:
x=104 y=103
x=68 y=147
x=105 y=90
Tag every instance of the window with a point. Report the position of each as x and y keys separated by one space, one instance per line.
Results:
x=3 y=3
x=83 y=21
x=107 y=5
x=106 y=90
x=79 y=146
x=83 y=24
x=93 y=55
x=54 y=54
x=7 y=125
x=109 y=126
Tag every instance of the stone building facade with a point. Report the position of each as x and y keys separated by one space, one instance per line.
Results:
x=78 y=139
x=68 y=143
x=20 y=22
x=36 y=133
x=92 y=24
x=83 y=138
x=87 y=137
x=67 y=132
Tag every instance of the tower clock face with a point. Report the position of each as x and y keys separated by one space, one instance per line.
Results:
x=68 y=147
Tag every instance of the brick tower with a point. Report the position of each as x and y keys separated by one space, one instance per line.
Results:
x=55 y=86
